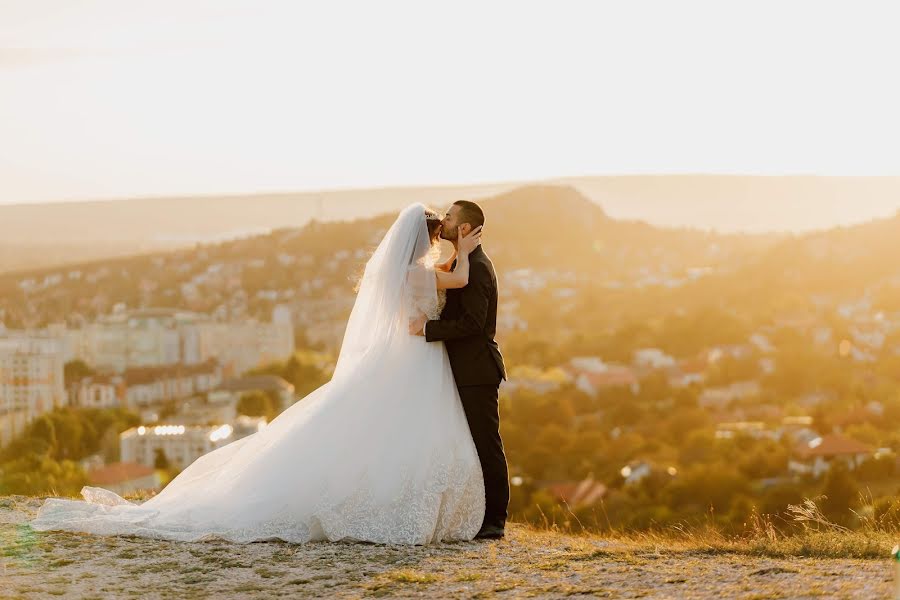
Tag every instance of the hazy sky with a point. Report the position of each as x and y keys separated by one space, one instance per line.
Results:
x=111 y=98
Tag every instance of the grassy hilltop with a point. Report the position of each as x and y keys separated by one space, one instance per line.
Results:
x=530 y=562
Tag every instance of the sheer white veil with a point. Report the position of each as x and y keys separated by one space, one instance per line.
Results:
x=398 y=284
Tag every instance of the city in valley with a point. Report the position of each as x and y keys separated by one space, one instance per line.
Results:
x=657 y=376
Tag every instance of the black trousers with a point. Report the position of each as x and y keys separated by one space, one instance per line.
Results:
x=483 y=414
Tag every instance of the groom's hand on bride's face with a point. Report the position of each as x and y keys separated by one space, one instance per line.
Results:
x=417 y=326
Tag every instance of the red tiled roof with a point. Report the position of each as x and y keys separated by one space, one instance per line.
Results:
x=142 y=375
x=833 y=444
x=578 y=493
x=255 y=382
x=693 y=366
x=614 y=376
x=853 y=417
x=118 y=472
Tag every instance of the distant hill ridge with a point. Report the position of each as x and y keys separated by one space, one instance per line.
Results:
x=534 y=225
x=721 y=202
x=556 y=226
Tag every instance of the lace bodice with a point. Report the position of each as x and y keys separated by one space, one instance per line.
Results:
x=441 y=302
x=431 y=308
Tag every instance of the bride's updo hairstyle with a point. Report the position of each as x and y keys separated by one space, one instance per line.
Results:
x=433 y=219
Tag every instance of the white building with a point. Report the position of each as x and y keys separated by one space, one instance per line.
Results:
x=139 y=387
x=817 y=455
x=230 y=392
x=31 y=380
x=97 y=391
x=182 y=444
x=155 y=337
x=139 y=338
x=144 y=386
x=635 y=471
x=653 y=358
x=247 y=345
x=721 y=397
x=590 y=364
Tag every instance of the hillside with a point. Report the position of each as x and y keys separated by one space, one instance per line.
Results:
x=18 y=256
x=633 y=270
x=64 y=233
x=732 y=203
x=38 y=235
x=801 y=273
x=596 y=284
x=528 y=563
x=537 y=227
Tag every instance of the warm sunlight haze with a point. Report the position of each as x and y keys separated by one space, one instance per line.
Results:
x=403 y=299
x=104 y=99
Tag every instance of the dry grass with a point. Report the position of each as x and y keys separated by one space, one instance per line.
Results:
x=530 y=562
x=808 y=533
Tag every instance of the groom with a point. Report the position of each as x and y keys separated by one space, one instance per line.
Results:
x=467 y=327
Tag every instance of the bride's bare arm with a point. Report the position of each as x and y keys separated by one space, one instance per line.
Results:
x=446 y=266
x=459 y=277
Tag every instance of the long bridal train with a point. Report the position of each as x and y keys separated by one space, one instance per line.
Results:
x=381 y=453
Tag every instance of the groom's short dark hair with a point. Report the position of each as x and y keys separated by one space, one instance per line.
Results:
x=470 y=213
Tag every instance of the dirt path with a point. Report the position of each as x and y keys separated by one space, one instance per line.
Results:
x=526 y=564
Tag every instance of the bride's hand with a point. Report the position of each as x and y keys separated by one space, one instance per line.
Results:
x=417 y=325
x=470 y=242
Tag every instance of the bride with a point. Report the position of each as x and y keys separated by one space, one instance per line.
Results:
x=381 y=453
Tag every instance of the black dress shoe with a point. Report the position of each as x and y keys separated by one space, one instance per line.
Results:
x=490 y=532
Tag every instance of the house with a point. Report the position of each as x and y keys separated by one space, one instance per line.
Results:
x=816 y=456
x=687 y=372
x=798 y=429
x=230 y=391
x=578 y=494
x=754 y=429
x=634 y=472
x=638 y=470
x=822 y=336
x=97 y=391
x=721 y=397
x=183 y=444
x=536 y=380
x=738 y=351
x=590 y=364
x=125 y=477
x=146 y=386
x=652 y=358
x=855 y=416
x=614 y=376
x=762 y=343
x=814 y=399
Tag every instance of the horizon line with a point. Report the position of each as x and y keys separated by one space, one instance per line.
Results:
x=411 y=186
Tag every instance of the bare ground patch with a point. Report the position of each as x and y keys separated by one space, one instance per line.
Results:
x=528 y=563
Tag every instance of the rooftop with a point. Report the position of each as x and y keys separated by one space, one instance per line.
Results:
x=256 y=382
x=833 y=444
x=118 y=472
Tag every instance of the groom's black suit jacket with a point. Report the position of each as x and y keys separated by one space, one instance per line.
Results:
x=468 y=325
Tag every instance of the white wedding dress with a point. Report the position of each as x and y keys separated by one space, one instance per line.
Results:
x=382 y=453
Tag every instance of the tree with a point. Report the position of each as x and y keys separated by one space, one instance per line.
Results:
x=75 y=370
x=43 y=432
x=35 y=474
x=840 y=491
x=42 y=459
x=257 y=404
x=160 y=460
